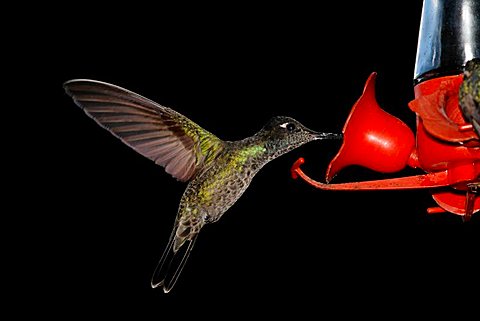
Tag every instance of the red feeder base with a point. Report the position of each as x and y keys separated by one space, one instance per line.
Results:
x=446 y=147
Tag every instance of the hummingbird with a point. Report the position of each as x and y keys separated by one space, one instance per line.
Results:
x=469 y=99
x=469 y=93
x=218 y=171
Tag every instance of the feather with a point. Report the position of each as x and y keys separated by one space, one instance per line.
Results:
x=157 y=132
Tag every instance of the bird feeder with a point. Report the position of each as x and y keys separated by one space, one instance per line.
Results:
x=445 y=147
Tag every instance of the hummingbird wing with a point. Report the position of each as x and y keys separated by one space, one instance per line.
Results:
x=157 y=132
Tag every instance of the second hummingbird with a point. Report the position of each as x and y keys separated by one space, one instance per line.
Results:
x=218 y=171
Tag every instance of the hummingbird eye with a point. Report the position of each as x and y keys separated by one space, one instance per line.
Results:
x=288 y=126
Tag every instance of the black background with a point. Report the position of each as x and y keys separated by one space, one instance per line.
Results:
x=98 y=215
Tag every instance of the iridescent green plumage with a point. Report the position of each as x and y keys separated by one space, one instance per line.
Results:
x=219 y=171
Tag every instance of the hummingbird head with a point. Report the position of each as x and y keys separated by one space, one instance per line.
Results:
x=282 y=134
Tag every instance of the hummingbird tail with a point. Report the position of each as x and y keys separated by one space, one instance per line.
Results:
x=172 y=262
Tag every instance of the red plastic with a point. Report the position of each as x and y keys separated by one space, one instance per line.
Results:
x=373 y=138
x=436 y=104
x=446 y=147
x=431 y=180
x=446 y=141
x=441 y=140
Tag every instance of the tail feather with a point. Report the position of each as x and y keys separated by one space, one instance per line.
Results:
x=159 y=273
x=172 y=263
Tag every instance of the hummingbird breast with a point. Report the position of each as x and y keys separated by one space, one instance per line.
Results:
x=219 y=186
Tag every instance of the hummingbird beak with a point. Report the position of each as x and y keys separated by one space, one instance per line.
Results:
x=322 y=136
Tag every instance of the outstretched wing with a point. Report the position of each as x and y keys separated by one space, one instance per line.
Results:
x=157 y=132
